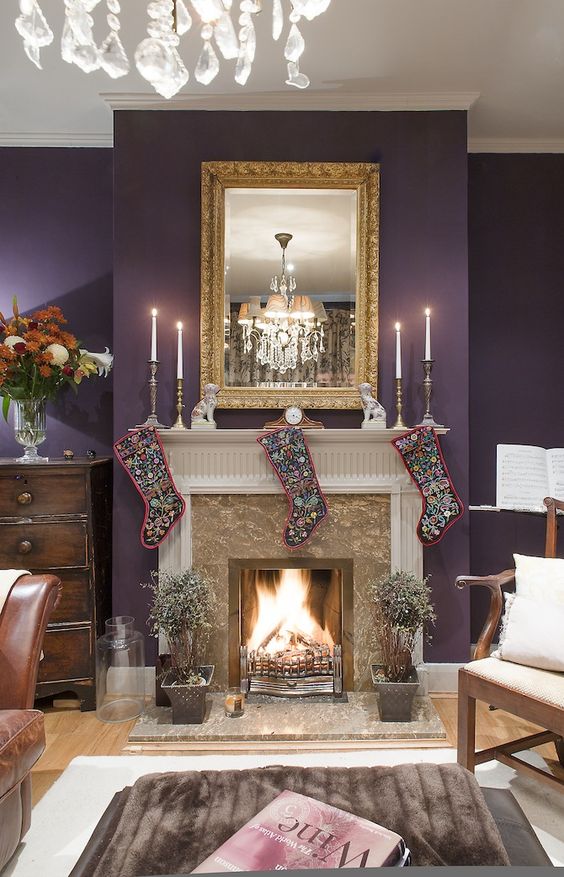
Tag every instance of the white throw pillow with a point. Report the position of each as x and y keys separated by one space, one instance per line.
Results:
x=539 y=578
x=532 y=634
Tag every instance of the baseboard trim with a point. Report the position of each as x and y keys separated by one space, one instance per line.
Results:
x=438 y=678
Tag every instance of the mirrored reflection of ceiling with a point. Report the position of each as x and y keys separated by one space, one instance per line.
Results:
x=321 y=254
x=360 y=54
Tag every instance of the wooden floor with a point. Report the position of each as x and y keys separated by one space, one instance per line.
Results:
x=71 y=733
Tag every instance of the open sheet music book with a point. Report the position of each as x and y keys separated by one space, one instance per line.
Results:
x=526 y=474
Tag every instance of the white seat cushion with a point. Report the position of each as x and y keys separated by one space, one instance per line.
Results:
x=540 y=684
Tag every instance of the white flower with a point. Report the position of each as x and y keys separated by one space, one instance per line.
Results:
x=13 y=339
x=102 y=361
x=60 y=354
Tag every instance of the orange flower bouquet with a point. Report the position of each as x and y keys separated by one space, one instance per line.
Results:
x=37 y=358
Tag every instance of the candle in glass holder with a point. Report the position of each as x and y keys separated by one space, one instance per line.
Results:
x=154 y=335
x=234 y=703
x=398 y=351
x=427 y=334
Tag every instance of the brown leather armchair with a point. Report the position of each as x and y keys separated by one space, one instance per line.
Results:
x=22 y=737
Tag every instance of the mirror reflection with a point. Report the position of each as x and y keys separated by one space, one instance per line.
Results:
x=290 y=287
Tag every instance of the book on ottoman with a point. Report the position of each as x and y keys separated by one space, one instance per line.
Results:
x=295 y=832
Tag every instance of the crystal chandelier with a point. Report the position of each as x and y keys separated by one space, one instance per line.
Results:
x=157 y=57
x=289 y=330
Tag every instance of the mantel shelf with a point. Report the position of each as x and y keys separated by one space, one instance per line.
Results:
x=313 y=436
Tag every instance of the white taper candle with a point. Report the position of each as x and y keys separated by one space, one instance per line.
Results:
x=427 y=334
x=154 y=335
x=398 y=351
x=179 y=360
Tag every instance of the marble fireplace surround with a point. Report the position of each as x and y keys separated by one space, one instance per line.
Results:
x=236 y=509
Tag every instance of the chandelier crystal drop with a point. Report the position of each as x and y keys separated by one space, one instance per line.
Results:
x=225 y=31
x=289 y=331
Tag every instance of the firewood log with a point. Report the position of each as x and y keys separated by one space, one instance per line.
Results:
x=306 y=639
x=274 y=632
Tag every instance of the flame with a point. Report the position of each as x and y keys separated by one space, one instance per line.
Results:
x=284 y=616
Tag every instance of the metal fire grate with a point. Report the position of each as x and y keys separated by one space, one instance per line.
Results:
x=314 y=670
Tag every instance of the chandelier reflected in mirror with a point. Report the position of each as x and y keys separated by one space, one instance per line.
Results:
x=157 y=57
x=289 y=331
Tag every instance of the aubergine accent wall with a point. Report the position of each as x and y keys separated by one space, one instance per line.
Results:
x=56 y=248
x=423 y=248
x=516 y=270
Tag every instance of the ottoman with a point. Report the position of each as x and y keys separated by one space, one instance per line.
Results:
x=168 y=823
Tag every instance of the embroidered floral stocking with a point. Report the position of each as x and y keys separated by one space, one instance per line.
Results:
x=141 y=455
x=423 y=459
x=290 y=458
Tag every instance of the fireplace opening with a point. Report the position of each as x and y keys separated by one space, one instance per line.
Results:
x=288 y=627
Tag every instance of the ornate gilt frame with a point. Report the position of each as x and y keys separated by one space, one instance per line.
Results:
x=217 y=176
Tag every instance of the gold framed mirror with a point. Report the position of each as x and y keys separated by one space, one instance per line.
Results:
x=289 y=282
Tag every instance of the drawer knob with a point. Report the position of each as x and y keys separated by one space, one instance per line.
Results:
x=25 y=498
x=24 y=547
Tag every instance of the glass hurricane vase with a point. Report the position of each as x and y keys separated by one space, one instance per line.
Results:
x=29 y=428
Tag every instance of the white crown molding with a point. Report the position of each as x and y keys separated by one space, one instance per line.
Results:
x=61 y=139
x=290 y=101
x=509 y=145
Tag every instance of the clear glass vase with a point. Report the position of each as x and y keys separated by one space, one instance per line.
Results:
x=120 y=671
x=29 y=428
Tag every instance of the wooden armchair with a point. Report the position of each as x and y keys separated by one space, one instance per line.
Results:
x=532 y=694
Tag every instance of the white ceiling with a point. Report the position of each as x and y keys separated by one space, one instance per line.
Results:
x=503 y=58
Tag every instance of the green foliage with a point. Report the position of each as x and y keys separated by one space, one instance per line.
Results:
x=402 y=609
x=183 y=609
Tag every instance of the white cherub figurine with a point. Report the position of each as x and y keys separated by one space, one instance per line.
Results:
x=202 y=413
x=374 y=413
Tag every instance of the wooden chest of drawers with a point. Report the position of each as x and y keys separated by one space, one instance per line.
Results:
x=57 y=517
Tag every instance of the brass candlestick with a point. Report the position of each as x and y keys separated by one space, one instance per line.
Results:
x=428 y=419
x=152 y=419
x=399 y=424
x=179 y=423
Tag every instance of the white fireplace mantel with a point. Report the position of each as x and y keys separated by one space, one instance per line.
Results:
x=231 y=460
x=347 y=461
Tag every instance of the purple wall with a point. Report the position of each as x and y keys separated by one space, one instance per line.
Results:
x=56 y=248
x=423 y=248
x=516 y=270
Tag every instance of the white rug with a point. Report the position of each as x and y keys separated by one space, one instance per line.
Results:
x=65 y=817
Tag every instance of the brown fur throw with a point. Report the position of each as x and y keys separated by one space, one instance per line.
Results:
x=171 y=822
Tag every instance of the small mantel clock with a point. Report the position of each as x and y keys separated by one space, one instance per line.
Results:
x=293 y=415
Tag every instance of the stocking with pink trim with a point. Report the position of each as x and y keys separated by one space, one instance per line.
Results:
x=421 y=453
x=290 y=458
x=141 y=454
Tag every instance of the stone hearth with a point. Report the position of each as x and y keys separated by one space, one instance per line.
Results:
x=351 y=724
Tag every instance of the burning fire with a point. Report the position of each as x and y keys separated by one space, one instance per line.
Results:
x=284 y=620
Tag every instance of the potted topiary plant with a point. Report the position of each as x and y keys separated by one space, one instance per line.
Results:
x=402 y=611
x=182 y=609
